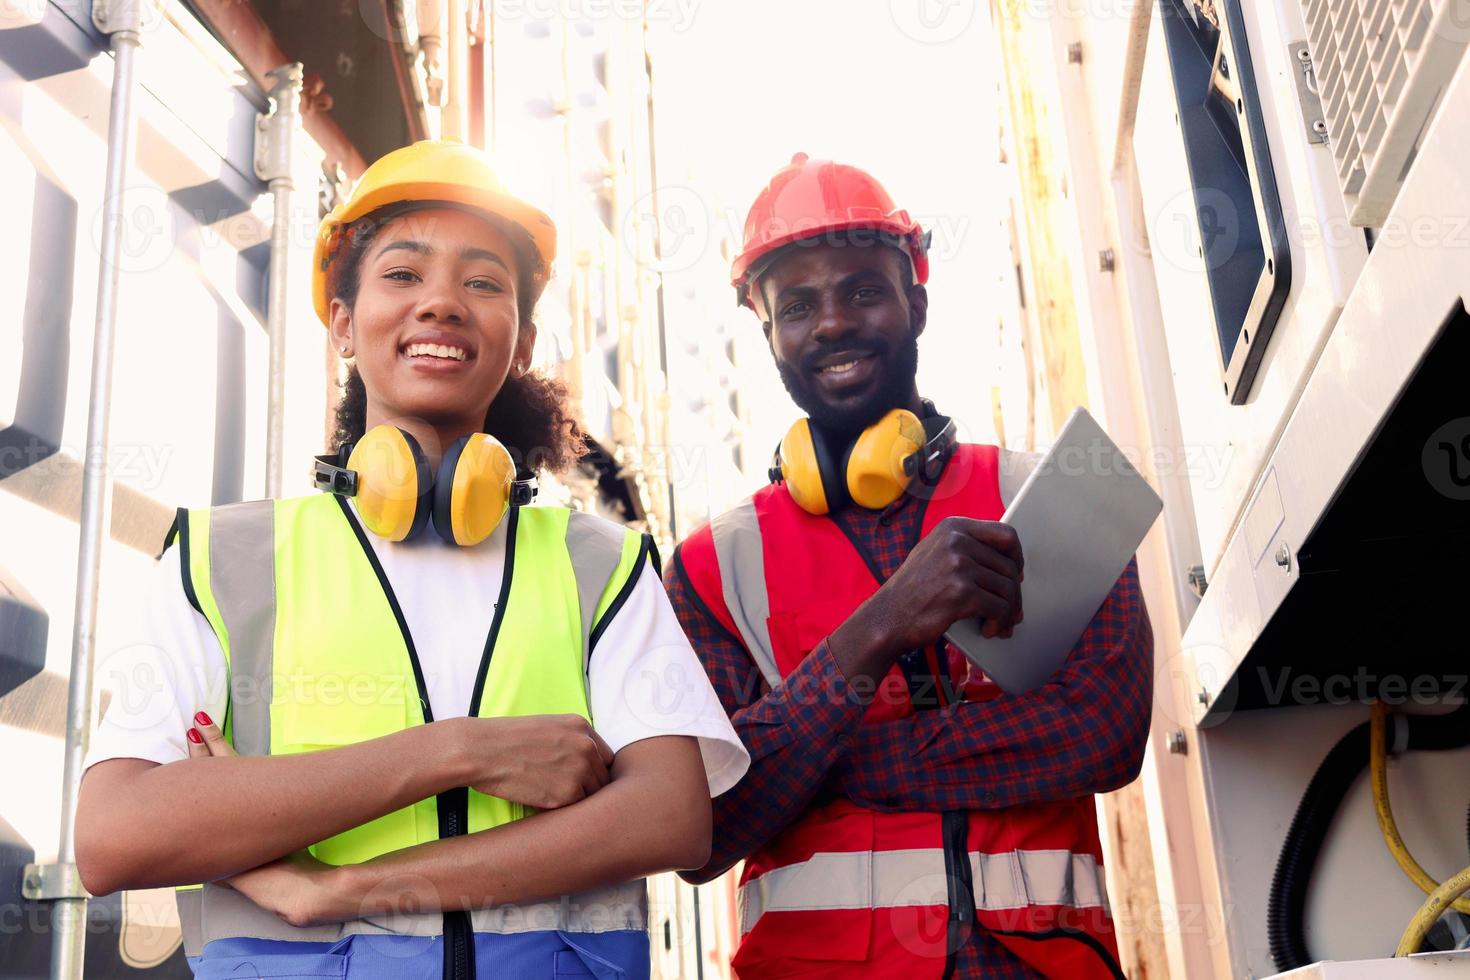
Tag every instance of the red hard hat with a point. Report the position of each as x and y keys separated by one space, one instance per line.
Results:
x=809 y=198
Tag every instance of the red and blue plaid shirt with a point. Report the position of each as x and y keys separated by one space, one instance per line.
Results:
x=1083 y=732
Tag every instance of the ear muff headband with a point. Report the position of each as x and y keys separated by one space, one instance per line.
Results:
x=443 y=519
x=831 y=462
x=940 y=438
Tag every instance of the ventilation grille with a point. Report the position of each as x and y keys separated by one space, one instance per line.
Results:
x=1381 y=68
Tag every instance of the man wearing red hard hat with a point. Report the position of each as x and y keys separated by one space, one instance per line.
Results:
x=901 y=817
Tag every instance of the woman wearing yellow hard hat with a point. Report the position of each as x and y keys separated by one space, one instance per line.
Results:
x=389 y=751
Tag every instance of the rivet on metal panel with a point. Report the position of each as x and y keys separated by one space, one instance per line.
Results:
x=1283 y=556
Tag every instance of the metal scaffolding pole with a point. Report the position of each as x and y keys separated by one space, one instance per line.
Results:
x=274 y=136
x=123 y=20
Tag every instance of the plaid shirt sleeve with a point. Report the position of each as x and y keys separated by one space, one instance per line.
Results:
x=794 y=733
x=1083 y=732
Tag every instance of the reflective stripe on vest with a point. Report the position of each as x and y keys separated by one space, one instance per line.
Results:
x=596 y=548
x=318 y=655
x=916 y=877
x=227 y=914
x=244 y=591
x=738 y=549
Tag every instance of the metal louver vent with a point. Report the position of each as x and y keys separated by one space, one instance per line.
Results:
x=1381 y=68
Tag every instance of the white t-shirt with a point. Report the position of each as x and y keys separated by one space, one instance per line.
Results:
x=644 y=678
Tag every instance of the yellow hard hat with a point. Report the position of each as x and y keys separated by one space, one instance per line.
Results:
x=429 y=170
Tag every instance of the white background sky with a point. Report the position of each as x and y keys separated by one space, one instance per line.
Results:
x=902 y=88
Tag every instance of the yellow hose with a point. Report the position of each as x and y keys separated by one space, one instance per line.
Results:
x=1378 y=756
x=1424 y=919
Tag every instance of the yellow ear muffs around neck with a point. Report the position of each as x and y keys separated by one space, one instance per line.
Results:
x=393 y=483
x=473 y=489
x=398 y=496
x=874 y=470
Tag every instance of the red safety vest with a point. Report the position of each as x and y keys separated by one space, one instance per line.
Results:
x=846 y=891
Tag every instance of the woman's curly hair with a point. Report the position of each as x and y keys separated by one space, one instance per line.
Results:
x=531 y=416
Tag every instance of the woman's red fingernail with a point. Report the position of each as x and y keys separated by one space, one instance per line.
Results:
x=202 y=719
x=195 y=737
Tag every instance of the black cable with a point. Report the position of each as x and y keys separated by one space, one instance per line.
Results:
x=1286 y=906
x=1285 y=910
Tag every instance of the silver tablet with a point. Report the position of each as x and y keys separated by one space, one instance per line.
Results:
x=1079 y=516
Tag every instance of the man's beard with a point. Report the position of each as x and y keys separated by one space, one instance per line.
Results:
x=895 y=385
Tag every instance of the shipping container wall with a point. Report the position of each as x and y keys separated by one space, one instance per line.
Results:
x=188 y=408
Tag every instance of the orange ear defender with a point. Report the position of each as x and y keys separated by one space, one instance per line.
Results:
x=397 y=495
x=872 y=472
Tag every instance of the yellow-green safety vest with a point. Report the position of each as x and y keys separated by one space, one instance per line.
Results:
x=319 y=655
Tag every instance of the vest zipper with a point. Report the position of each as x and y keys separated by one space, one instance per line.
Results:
x=459 y=960
x=961 y=884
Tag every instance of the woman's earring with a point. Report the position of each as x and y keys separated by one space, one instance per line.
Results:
x=343 y=348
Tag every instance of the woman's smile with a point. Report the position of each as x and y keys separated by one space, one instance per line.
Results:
x=438 y=351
